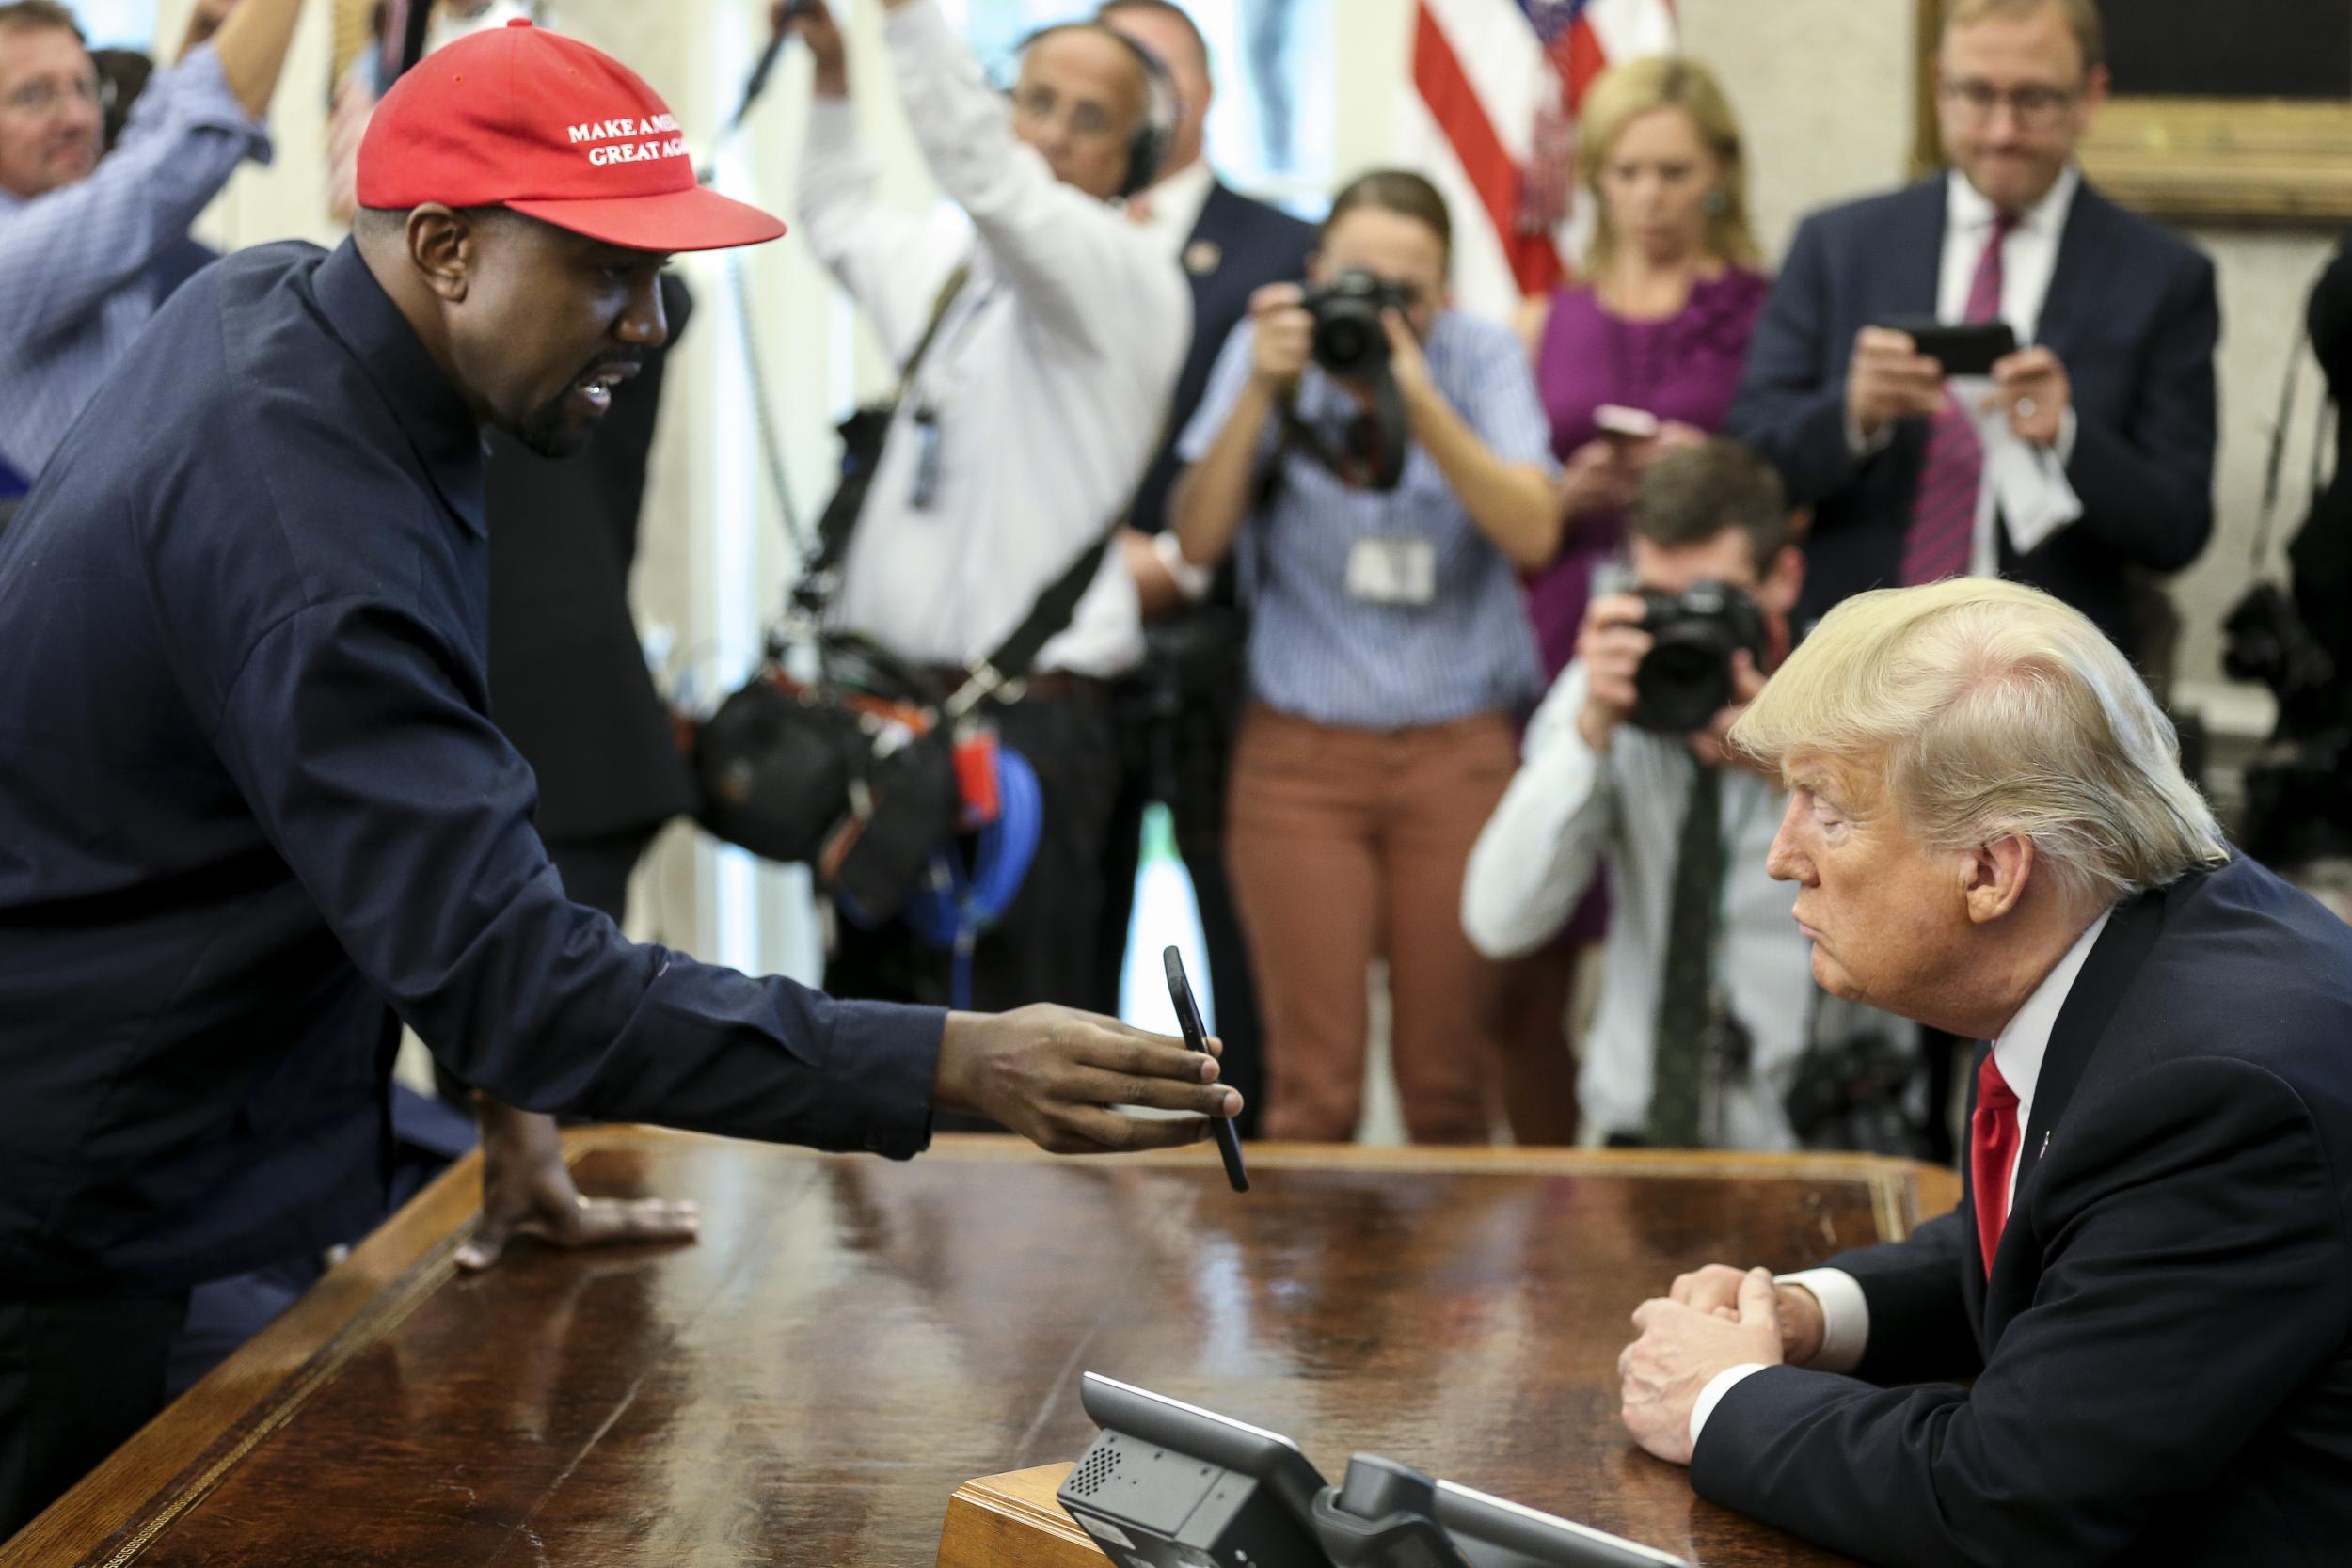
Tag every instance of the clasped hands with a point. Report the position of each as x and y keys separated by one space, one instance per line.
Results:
x=1708 y=1321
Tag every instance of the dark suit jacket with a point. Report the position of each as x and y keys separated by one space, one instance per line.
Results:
x=2131 y=311
x=2163 y=1354
x=568 y=681
x=1237 y=246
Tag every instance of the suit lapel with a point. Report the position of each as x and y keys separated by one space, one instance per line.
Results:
x=2073 y=296
x=2090 y=1005
x=1916 y=260
x=1972 y=1280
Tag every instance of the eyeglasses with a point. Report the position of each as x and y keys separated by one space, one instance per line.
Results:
x=2037 y=108
x=41 y=98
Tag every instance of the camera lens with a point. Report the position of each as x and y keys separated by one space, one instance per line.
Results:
x=1684 y=680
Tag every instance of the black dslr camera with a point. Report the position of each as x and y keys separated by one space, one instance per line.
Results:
x=1350 y=342
x=1685 y=678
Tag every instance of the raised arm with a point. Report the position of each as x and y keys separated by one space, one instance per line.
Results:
x=891 y=261
x=64 y=253
x=1492 y=450
x=1079 y=265
x=1536 y=855
x=252 y=46
x=1226 y=443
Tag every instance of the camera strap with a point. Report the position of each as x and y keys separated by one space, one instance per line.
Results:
x=869 y=426
x=1371 y=456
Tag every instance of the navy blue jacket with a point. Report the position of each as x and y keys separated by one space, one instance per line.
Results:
x=2163 y=1353
x=252 y=806
x=1236 y=247
x=2131 y=311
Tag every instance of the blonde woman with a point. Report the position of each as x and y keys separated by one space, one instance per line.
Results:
x=1656 y=327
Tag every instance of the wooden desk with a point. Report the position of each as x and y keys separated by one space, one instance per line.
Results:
x=853 y=1340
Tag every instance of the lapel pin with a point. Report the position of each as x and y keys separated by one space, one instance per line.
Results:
x=1202 y=257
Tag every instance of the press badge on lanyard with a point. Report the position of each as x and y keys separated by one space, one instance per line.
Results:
x=1393 y=568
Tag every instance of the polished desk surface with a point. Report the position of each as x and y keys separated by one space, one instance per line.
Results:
x=851 y=1340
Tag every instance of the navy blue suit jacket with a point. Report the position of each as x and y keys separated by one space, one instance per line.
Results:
x=2163 y=1353
x=2132 y=313
x=1237 y=246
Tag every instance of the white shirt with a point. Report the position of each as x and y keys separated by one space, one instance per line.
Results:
x=1170 y=210
x=2029 y=257
x=1049 y=379
x=1568 y=810
x=2017 y=1051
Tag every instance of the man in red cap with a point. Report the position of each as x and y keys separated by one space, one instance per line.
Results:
x=255 y=810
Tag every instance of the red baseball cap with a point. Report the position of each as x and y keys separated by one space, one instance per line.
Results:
x=521 y=118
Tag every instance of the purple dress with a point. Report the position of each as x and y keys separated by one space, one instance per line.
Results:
x=1684 y=367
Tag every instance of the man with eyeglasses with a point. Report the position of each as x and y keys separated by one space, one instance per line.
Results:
x=1040 y=333
x=2114 y=386
x=80 y=241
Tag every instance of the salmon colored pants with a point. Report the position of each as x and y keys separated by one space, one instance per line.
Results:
x=1344 y=843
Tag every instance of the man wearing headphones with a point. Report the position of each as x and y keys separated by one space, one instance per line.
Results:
x=1050 y=330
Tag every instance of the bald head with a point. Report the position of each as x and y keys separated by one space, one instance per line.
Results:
x=1083 y=95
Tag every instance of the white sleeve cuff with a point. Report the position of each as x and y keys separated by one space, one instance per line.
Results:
x=2064 y=445
x=1859 y=445
x=1845 y=1317
x=1192 y=582
x=1712 y=1395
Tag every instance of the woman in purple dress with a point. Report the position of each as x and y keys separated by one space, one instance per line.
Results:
x=1642 y=354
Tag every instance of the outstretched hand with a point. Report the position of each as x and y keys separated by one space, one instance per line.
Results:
x=1054 y=1075
x=527 y=1190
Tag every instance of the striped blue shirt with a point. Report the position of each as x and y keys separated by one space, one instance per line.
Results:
x=74 y=283
x=1317 y=652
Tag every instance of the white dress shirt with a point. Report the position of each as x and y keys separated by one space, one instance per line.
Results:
x=1048 y=380
x=2017 y=1051
x=1568 y=810
x=1169 y=211
x=2029 y=257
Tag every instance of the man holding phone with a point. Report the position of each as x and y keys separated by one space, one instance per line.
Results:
x=2115 y=384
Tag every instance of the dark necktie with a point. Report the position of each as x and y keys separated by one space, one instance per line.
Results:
x=1686 y=1003
x=1992 y=1151
x=1943 y=530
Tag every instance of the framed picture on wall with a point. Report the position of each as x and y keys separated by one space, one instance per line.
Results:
x=2220 y=113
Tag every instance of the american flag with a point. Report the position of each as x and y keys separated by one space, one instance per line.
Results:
x=1489 y=117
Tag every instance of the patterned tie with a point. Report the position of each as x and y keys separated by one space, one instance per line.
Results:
x=1944 y=512
x=1991 y=1149
x=1686 y=1003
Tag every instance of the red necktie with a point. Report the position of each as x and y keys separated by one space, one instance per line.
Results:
x=1943 y=530
x=1991 y=1149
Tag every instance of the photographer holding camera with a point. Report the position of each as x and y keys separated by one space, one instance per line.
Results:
x=1382 y=462
x=1040 y=332
x=1708 y=1007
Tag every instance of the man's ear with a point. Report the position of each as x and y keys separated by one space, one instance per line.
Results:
x=1997 y=875
x=444 y=248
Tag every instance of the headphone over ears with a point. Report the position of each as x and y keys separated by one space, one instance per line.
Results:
x=1148 y=149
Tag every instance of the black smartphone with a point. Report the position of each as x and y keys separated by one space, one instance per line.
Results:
x=1188 y=1019
x=1962 y=348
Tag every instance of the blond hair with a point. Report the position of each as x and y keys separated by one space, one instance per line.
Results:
x=2082 y=17
x=1623 y=93
x=1988 y=709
